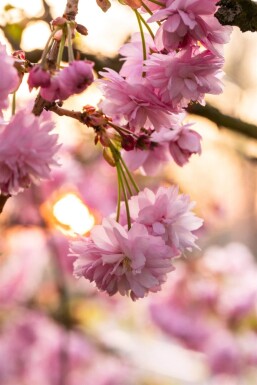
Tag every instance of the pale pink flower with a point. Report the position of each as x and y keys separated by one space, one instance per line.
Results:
x=130 y=262
x=150 y=160
x=9 y=77
x=21 y=274
x=184 y=77
x=224 y=354
x=176 y=322
x=73 y=79
x=188 y=22
x=26 y=151
x=133 y=56
x=152 y=6
x=167 y=214
x=135 y=102
x=185 y=143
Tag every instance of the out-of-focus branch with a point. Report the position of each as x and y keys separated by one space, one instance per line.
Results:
x=223 y=120
x=3 y=200
x=71 y=9
x=241 y=13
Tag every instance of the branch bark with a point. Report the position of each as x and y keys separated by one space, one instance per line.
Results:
x=71 y=9
x=222 y=120
x=240 y=13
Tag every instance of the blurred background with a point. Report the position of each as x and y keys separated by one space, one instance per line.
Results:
x=202 y=328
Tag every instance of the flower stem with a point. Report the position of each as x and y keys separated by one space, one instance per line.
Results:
x=118 y=166
x=157 y=2
x=119 y=198
x=70 y=50
x=122 y=130
x=147 y=26
x=46 y=49
x=13 y=103
x=125 y=178
x=61 y=48
x=129 y=175
x=142 y=36
x=149 y=11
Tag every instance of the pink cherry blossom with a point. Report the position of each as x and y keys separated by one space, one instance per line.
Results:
x=223 y=353
x=130 y=262
x=188 y=75
x=150 y=160
x=185 y=143
x=133 y=56
x=136 y=103
x=167 y=214
x=188 y=22
x=26 y=151
x=38 y=77
x=73 y=79
x=9 y=76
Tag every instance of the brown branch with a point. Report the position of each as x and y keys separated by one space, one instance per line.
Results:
x=71 y=9
x=223 y=120
x=240 y=13
x=3 y=200
x=77 y=115
x=209 y=112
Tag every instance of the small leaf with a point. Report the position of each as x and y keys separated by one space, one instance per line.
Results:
x=103 y=4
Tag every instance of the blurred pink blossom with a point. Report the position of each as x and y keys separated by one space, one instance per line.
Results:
x=9 y=76
x=27 y=151
x=38 y=77
x=73 y=79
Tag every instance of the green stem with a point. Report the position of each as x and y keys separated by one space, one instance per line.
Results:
x=13 y=103
x=61 y=48
x=124 y=194
x=70 y=50
x=157 y=2
x=119 y=198
x=129 y=175
x=147 y=26
x=149 y=11
x=142 y=36
x=125 y=179
x=46 y=49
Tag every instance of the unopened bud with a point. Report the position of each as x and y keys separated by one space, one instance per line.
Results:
x=128 y=142
x=108 y=156
x=82 y=29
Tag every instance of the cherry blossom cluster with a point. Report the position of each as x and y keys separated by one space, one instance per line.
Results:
x=217 y=294
x=162 y=73
x=135 y=259
x=50 y=346
x=146 y=101
x=27 y=146
x=139 y=123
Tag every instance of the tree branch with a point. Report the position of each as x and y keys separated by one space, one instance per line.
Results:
x=240 y=13
x=223 y=120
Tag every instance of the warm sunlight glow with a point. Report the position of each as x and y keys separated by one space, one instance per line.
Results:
x=72 y=212
x=35 y=36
